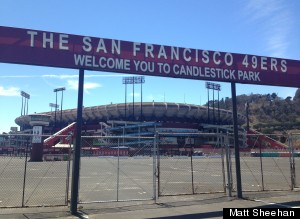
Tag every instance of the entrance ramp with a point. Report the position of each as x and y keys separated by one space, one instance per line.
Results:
x=56 y=138
x=258 y=139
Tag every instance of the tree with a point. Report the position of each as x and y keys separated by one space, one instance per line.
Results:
x=297 y=94
x=288 y=99
x=274 y=96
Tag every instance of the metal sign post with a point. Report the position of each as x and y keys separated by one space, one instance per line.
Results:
x=236 y=143
x=76 y=154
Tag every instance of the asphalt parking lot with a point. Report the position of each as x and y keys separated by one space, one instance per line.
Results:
x=131 y=178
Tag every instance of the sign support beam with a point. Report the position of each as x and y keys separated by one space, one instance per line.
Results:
x=236 y=142
x=76 y=154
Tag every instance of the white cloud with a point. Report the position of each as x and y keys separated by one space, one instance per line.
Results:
x=260 y=9
x=135 y=94
x=110 y=75
x=276 y=23
x=59 y=76
x=62 y=76
x=91 y=85
x=73 y=85
x=11 y=91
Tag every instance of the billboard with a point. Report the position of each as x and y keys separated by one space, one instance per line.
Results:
x=35 y=47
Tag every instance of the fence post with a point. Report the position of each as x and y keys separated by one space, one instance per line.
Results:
x=228 y=166
x=70 y=138
x=292 y=160
x=118 y=170
x=25 y=172
x=223 y=162
x=192 y=170
x=261 y=169
x=155 y=168
x=158 y=163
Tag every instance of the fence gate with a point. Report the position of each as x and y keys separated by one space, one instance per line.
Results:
x=264 y=168
x=121 y=169
x=24 y=183
x=294 y=140
x=185 y=169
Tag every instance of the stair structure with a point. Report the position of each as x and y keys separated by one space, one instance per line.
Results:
x=256 y=139
x=60 y=136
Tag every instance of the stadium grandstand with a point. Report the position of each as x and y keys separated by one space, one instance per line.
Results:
x=176 y=124
x=140 y=119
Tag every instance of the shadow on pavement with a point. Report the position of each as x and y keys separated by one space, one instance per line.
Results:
x=194 y=216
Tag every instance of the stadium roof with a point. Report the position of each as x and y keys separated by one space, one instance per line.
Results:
x=151 y=111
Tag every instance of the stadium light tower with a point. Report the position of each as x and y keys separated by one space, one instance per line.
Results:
x=126 y=80
x=62 y=96
x=133 y=80
x=27 y=97
x=53 y=105
x=213 y=86
x=140 y=80
x=218 y=88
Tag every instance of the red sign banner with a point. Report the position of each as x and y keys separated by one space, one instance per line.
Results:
x=35 y=47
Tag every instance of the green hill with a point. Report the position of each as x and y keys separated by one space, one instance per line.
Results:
x=268 y=113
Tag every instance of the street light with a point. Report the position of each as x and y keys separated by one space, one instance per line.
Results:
x=27 y=97
x=133 y=80
x=62 y=95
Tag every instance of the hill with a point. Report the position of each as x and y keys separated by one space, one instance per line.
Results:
x=268 y=113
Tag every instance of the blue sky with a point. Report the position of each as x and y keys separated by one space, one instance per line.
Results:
x=258 y=27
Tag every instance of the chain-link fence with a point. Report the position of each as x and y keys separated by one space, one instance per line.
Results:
x=267 y=163
x=117 y=168
x=27 y=183
x=123 y=168
x=185 y=168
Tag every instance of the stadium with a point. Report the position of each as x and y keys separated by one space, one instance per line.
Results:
x=180 y=114
x=176 y=121
x=180 y=127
